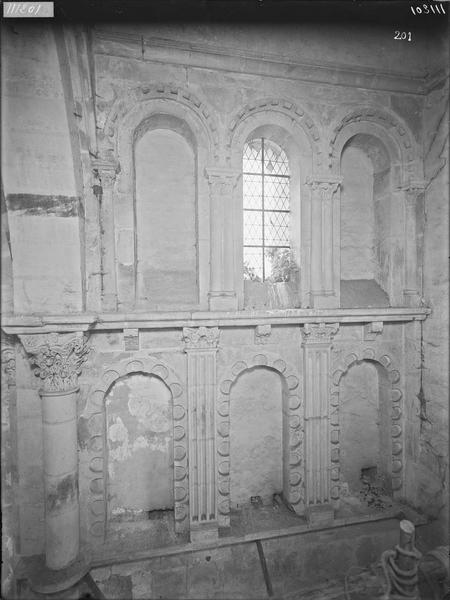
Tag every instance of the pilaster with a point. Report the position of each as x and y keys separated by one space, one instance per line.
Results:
x=57 y=359
x=201 y=349
x=222 y=183
x=317 y=342
x=106 y=172
x=325 y=241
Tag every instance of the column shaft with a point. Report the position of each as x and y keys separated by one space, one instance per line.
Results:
x=58 y=358
x=323 y=247
x=107 y=174
x=411 y=290
x=59 y=417
x=222 y=295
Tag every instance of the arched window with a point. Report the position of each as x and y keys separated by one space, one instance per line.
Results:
x=266 y=205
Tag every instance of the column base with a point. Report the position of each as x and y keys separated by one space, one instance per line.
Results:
x=47 y=581
x=222 y=301
x=204 y=532
x=319 y=514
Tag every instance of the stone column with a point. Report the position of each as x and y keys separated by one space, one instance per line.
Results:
x=58 y=359
x=325 y=247
x=201 y=348
x=107 y=174
x=411 y=291
x=222 y=294
x=317 y=340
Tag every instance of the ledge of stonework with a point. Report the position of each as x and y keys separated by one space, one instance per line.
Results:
x=28 y=324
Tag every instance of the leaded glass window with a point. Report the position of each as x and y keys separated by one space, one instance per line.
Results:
x=266 y=181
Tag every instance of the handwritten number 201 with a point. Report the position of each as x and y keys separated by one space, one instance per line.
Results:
x=402 y=35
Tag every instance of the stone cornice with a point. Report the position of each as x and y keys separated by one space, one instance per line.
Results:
x=204 y=55
x=23 y=324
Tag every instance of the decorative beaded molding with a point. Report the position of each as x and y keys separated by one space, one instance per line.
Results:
x=286 y=107
x=339 y=369
x=295 y=416
x=95 y=413
x=127 y=101
x=392 y=125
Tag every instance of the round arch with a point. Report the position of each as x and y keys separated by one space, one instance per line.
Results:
x=300 y=130
x=388 y=128
x=292 y=412
x=340 y=368
x=95 y=415
x=141 y=109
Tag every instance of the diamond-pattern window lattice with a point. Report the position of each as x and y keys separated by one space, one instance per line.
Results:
x=275 y=160
x=276 y=228
x=276 y=193
x=252 y=191
x=266 y=186
x=252 y=159
x=253 y=228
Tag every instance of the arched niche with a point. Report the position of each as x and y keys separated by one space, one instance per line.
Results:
x=365 y=434
x=384 y=381
x=389 y=132
x=95 y=419
x=370 y=244
x=139 y=439
x=187 y=120
x=299 y=141
x=288 y=406
x=257 y=436
x=165 y=156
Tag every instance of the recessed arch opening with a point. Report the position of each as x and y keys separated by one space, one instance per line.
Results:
x=365 y=434
x=368 y=235
x=259 y=437
x=166 y=223
x=271 y=218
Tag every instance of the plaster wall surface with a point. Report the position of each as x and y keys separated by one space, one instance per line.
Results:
x=140 y=453
x=358 y=260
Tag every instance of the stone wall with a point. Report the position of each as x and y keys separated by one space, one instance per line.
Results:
x=432 y=461
x=38 y=175
x=215 y=86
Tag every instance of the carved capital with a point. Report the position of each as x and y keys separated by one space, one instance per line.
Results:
x=8 y=360
x=323 y=188
x=222 y=181
x=319 y=333
x=201 y=337
x=57 y=358
x=412 y=191
x=262 y=334
x=106 y=171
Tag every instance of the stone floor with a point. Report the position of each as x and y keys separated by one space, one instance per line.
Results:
x=268 y=552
